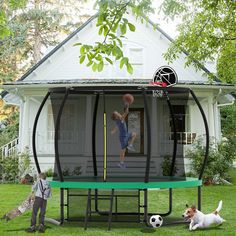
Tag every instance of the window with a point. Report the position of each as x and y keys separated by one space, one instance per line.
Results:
x=181 y=125
x=135 y=123
x=67 y=126
x=136 y=59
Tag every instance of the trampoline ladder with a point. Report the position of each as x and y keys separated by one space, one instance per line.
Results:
x=89 y=210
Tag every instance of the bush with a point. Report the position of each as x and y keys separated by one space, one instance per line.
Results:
x=166 y=166
x=9 y=168
x=219 y=161
x=50 y=173
x=14 y=167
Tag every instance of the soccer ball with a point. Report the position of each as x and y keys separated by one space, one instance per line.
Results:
x=156 y=221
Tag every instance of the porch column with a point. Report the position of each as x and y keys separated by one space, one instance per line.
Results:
x=154 y=127
x=217 y=122
x=21 y=119
x=25 y=136
x=88 y=125
x=211 y=119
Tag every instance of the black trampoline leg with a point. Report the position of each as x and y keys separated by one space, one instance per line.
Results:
x=110 y=211
x=88 y=210
x=62 y=204
x=199 y=197
x=145 y=207
x=170 y=202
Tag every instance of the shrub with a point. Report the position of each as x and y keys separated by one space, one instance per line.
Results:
x=9 y=168
x=166 y=166
x=219 y=161
x=14 y=167
x=50 y=173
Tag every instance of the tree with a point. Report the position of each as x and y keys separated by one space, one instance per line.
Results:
x=226 y=63
x=40 y=24
x=207 y=32
x=228 y=120
x=5 y=6
x=28 y=29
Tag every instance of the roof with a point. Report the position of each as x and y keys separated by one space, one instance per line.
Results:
x=96 y=82
x=32 y=69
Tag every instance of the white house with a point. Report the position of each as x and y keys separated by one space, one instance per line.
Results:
x=145 y=48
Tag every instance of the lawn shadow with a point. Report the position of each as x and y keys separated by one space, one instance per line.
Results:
x=21 y=229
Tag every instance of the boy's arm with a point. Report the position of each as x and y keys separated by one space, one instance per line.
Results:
x=113 y=131
x=126 y=111
x=34 y=187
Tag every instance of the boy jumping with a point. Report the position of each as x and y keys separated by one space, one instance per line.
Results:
x=126 y=138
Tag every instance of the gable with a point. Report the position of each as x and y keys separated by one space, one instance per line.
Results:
x=144 y=47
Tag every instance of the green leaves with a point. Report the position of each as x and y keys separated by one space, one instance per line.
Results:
x=123 y=29
x=113 y=26
x=131 y=27
x=206 y=33
x=129 y=68
x=109 y=60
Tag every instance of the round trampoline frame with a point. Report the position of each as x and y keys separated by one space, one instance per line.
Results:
x=116 y=183
x=105 y=183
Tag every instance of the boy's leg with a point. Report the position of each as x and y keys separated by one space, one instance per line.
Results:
x=122 y=158
x=35 y=211
x=42 y=211
x=42 y=215
x=133 y=137
x=122 y=155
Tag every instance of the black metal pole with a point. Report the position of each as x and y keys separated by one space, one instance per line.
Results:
x=148 y=136
x=104 y=138
x=175 y=135
x=62 y=204
x=94 y=135
x=34 y=132
x=111 y=209
x=207 y=133
x=199 y=202
x=57 y=127
x=88 y=209
x=145 y=207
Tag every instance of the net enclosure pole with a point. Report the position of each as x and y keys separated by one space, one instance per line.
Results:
x=175 y=134
x=56 y=137
x=34 y=132
x=148 y=136
x=104 y=139
x=207 y=134
x=94 y=135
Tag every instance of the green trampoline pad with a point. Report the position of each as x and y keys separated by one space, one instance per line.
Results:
x=126 y=183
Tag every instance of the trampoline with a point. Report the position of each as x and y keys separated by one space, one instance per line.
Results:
x=128 y=183
x=86 y=154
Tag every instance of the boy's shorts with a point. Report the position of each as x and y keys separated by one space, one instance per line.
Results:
x=124 y=140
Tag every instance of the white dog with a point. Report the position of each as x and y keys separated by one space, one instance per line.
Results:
x=200 y=220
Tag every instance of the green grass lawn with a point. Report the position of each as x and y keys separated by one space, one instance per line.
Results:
x=12 y=194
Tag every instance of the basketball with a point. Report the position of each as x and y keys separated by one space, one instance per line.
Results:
x=128 y=98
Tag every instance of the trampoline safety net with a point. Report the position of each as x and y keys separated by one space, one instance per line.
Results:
x=87 y=149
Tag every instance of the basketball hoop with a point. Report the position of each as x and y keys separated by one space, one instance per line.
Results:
x=164 y=76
